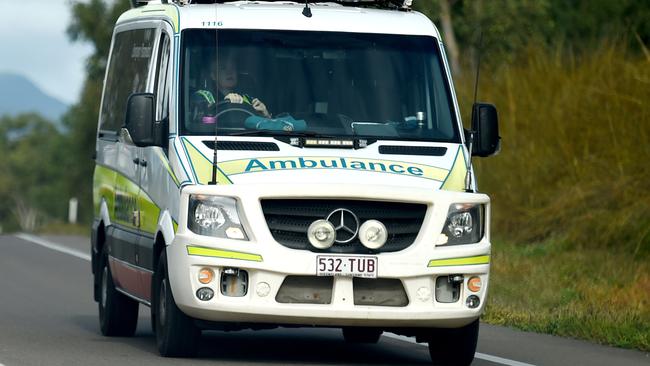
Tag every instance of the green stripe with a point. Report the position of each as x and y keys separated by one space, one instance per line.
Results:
x=465 y=261
x=219 y=253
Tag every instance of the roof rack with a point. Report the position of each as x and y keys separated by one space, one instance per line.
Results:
x=138 y=3
x=381 y=4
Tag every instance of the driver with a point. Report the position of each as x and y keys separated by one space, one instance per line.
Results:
x=226 y=77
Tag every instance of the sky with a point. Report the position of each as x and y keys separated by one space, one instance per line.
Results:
x=34 y=44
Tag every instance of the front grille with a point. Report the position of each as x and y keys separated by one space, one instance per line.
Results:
x=288 y=220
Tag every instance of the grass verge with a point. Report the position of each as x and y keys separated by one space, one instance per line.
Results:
x=598 y=294
x=574 y=162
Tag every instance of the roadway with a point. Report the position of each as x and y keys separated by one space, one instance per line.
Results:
x=48 y=317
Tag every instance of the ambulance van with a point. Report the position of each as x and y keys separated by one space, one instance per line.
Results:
x=266 y=164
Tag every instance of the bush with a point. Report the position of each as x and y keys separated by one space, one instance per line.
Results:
x=574 y=164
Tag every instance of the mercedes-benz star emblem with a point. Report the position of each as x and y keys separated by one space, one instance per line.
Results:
x=346 y=224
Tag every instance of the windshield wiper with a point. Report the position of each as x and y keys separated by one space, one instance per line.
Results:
x=246 y=133
x=280 y=133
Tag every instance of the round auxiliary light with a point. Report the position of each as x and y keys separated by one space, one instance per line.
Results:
x=205 y=294
x=373 y=234
x=474 y=284
x=473 y=302
x=206 y=275
x=321 y=234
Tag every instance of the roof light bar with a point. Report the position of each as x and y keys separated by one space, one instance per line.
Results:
x=382 y=4
x=138 y=3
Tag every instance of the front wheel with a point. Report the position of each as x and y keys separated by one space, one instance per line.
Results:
x=454 y=346
x=118 y=314
x=176 y=334
x=361 y=335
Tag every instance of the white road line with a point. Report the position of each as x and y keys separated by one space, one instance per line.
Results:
x=53 y=246
x=85 y=256
x=481 y=356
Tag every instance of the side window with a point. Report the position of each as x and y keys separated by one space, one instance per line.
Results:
x=162 y=87
x=127 y=73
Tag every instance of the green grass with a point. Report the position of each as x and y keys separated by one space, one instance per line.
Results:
x=598 y=295
x=572 y=188
x=575 y=152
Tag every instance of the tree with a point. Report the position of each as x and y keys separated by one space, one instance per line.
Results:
x=508 y=26
x=34 y=155
x=581 y=23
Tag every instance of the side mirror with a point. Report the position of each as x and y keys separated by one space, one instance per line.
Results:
x=140 y=121
x=485 y=123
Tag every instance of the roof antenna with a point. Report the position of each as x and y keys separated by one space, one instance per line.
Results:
x=215 y=167
x=468 y=176
x=307 y=10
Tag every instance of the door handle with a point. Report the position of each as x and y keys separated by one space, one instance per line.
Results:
x=141 y=162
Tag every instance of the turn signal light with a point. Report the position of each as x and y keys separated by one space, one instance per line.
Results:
x=474 y=284
x=206 y=275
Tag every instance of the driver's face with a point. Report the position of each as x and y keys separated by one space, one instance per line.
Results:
x=227 y=75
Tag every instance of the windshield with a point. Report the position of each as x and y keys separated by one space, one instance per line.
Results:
x=268 y=83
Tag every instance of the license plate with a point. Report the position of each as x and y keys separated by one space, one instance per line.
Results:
x=349 y=265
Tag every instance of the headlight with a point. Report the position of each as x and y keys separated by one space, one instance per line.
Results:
x=464 y=223
x=215 y=216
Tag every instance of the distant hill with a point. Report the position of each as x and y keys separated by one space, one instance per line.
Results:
x=19 y=95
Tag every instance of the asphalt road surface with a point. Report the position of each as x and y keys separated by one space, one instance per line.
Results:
x=48 y=317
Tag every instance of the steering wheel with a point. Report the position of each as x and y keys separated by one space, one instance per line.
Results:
x=234 y=107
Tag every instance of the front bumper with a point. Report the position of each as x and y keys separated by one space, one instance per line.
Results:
x=268 y=263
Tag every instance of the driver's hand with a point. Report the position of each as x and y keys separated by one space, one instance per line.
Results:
x=234 y=98
x=261 y=108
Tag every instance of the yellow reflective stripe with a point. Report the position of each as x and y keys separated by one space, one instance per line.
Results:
x=165 y=162
x=466 y=261
x=219 y=253
x=455 y=180
x=202 y=166
x=104 y=187
x=149 y=213
x=124 y=198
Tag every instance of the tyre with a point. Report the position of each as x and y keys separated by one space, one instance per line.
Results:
x=176 y=334
x=454 y=346
x=118 y=314
x=361 y=335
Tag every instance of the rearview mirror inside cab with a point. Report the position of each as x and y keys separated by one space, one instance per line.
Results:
x=485 y=123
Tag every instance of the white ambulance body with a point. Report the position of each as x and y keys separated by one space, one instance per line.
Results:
x=343 y=200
